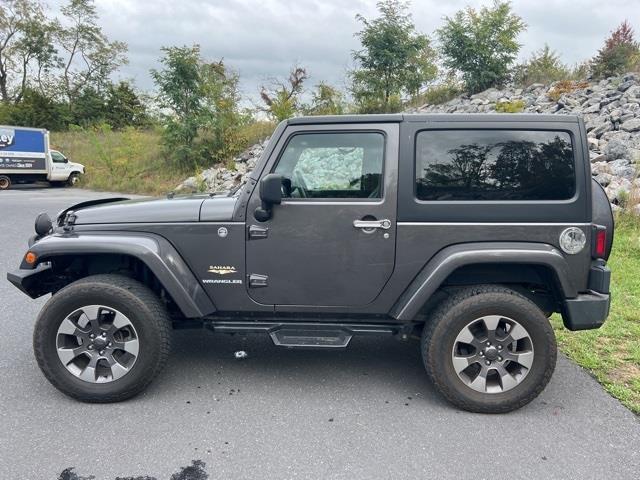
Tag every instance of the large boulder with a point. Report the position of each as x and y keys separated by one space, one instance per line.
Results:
x=616 y=148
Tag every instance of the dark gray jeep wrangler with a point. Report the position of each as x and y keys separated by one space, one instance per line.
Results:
x=468 y=231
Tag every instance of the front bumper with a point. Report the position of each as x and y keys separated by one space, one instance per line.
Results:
x=33 y=282
x=586 y=311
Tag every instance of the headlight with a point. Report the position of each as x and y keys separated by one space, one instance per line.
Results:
x=572 y=240
x=43 y=224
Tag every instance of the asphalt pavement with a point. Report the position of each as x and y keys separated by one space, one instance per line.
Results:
x=364 y=412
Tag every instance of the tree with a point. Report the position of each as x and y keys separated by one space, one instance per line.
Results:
x=282 y=98
x=90 y=56
x=179 y=87
x=619 y=53
x=223 y=119
x=394 y=59
x=481 y=45
x=544 y=66
x=325 y=100
x=34 y=75
x=201 y=103
x=37 y=47
x=88 y=107
x=26 y=37
x=36 y=110
x=124 y=107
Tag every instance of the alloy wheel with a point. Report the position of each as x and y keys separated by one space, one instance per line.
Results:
x=97 y=344
x=492 y=354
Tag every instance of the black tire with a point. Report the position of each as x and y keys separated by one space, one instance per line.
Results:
x=454 y=314
x=5 y=182
x=73 y=179
x=145 y=312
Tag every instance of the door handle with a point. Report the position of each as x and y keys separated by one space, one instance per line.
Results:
x=257 y=232
x=385 y=224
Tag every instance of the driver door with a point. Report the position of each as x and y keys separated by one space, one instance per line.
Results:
x=331 y=242
x=59 y=166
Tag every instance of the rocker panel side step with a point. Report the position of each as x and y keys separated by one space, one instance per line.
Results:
x=305 y=335
x=306 y=338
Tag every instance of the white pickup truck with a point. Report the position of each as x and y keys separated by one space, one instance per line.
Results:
x=25 y=157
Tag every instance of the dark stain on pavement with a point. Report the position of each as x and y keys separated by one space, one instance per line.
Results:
x=195 y=471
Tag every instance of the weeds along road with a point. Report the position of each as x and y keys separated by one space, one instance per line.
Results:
x=364 y=412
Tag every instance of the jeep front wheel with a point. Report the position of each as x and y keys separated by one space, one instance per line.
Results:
x=102 y=339
x=488 y=349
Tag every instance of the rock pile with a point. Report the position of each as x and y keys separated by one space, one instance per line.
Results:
x=610 y=108
x=221 y=178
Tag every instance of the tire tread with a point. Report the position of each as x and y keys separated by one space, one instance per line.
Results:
x=126 y=289
x=442 y=314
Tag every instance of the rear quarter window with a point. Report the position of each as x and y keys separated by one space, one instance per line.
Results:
x=499 y=165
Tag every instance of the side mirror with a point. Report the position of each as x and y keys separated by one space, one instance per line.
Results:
x=271 y=189
x=270 y=194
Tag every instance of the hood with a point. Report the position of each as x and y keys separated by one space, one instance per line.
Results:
x=158 y=210
x=76 y=165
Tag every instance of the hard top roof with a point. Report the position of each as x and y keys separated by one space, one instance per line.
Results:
x=434 y=117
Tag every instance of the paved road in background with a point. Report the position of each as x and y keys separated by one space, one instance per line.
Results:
x=365 y=412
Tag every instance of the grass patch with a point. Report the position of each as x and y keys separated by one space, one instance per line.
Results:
x=515 y=106
x=129 y=161
x=612 y=353
x=255 y=132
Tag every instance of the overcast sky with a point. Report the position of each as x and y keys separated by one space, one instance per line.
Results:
x=262 y=39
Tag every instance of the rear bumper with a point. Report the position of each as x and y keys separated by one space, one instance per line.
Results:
x=586 y=311
x=590 y=310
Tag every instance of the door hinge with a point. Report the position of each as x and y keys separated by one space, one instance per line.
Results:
x=258 y=232
x=257 y=281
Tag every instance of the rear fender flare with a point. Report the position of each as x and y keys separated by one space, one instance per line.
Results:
x=153 y=250
x=445 y=262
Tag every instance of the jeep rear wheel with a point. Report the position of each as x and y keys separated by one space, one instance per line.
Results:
x=488 y=349
x=102 y=339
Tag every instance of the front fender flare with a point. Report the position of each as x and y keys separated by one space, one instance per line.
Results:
x=445 y=262
x=153 y=250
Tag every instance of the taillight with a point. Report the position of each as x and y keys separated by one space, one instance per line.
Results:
x=599 y=242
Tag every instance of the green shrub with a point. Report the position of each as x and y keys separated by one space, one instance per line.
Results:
x=257 y=131
x=623 y=198
x=580 y=71
x=481 y=45
x=514 y=106
x=437 y=94
x=620 y=53
x=544 y=66
x=394 y=60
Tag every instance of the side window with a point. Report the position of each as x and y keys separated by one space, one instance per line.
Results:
x=494 y=165
x=57 y=157
x=333 y=165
